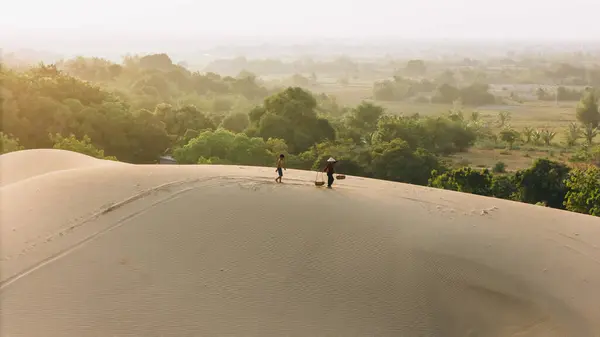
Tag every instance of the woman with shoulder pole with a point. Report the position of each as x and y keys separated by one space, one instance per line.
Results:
x=329 y=169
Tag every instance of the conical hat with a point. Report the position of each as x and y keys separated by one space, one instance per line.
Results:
x=331 y=160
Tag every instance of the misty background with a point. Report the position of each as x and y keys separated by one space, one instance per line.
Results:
x=268 y=28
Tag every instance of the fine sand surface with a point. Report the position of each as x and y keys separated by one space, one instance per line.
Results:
x=96 y=248
x=21 y=165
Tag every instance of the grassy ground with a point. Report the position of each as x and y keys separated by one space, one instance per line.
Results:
x=541 y=114
x=514 y=159
x=537 y=115
x=534 y=114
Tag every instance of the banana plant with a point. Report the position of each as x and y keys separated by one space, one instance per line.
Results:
x=547 y=136
x=528 y=134
x=573 y=134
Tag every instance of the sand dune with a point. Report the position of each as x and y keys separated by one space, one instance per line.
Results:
x=20 y=165
x=127 y=250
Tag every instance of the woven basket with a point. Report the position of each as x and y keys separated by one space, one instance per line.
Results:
x=319 y=182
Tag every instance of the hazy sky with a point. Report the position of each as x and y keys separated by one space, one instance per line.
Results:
x=76 y=19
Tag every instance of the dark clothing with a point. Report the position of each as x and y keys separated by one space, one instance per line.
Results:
x=280 y=171
x=329 y=169
x=329 y=179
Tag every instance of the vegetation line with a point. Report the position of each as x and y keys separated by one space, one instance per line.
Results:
x=471 y=126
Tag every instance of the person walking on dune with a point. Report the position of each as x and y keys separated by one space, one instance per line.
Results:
x=280 y=167
x=329 y=169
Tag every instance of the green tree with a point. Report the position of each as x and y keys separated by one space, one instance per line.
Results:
x=464 y=179
x=146 y=138
x=396 y=161
x=584 y=191
x=439 y=135
x=509 y=136
x=236 y=122
x=503 y=186
x=275 y=126
x=499 y=167
x=543 y=181
x=365 y=116
x=225 y=147
x=587 y=110
x=9 y=144
x=444 y=136
x=361 y=122
x=83 y=146
x=477 y=94
x=277 y=146
x=290 y=115
x=178 y=120
x=328 y=105
x=446 y=93
x=390 y=127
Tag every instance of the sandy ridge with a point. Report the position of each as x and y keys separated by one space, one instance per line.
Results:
x=163 y=250
x=21 y=165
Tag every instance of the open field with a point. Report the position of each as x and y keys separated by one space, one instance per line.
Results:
x=532 y=114
x=513 y=159
x=537 y=115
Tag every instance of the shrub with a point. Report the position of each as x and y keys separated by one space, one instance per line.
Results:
x=499 y=167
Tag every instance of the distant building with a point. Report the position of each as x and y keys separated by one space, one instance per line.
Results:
x=167 y=160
